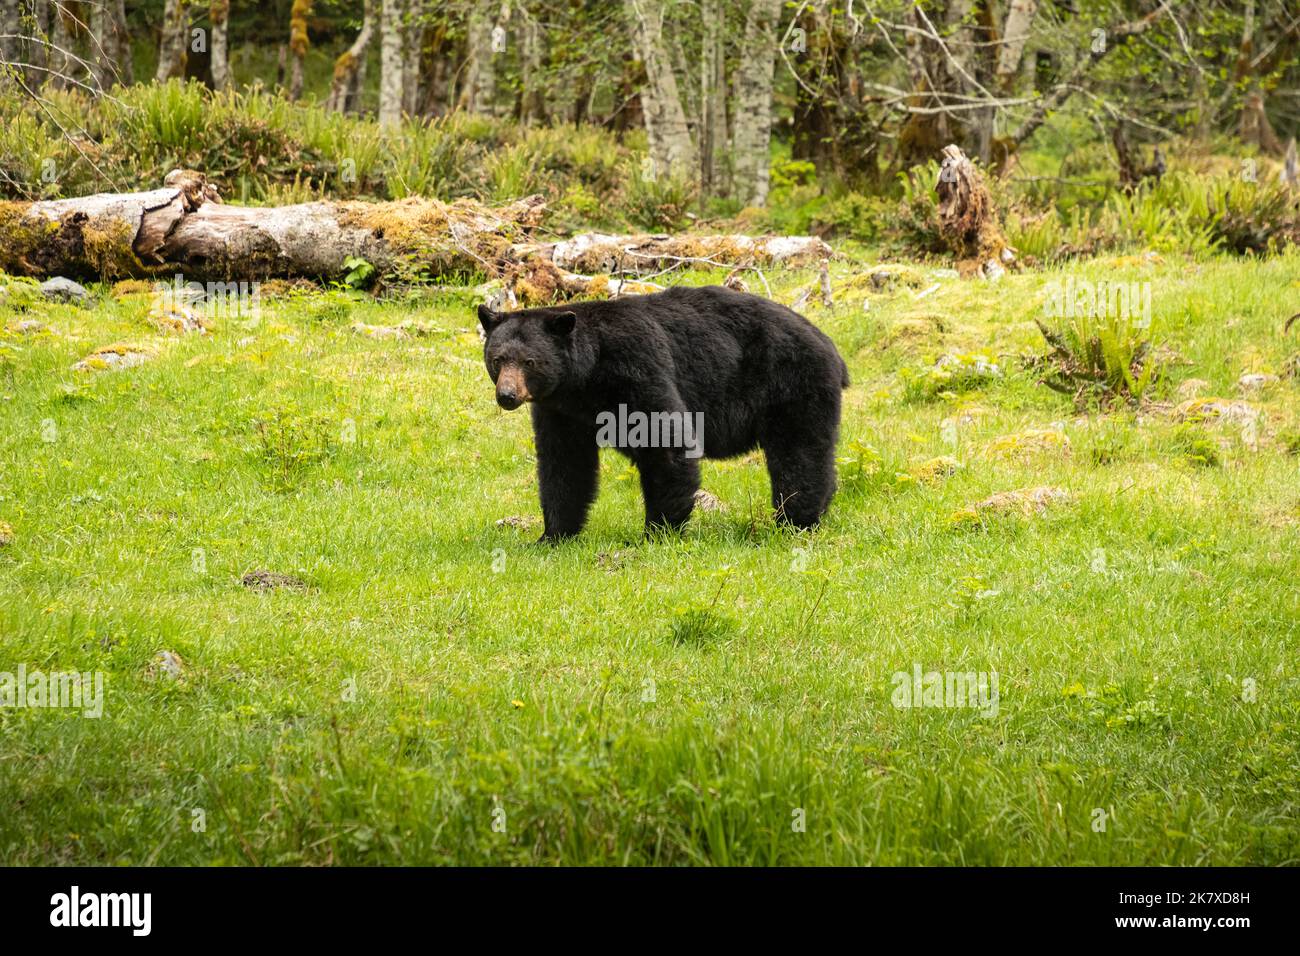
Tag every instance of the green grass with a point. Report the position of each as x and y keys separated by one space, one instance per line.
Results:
x=446 y=691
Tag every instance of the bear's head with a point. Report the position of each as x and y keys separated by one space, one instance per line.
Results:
x=527 y=353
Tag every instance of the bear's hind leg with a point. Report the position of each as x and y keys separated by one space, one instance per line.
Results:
x=802 y=470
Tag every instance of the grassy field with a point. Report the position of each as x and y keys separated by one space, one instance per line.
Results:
x=427 y=685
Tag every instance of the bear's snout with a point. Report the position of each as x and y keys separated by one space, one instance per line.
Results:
x=512 y=390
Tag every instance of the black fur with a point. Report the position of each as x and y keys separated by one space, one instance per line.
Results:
x=762 y=375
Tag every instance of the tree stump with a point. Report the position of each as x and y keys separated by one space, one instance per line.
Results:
x=968 y=220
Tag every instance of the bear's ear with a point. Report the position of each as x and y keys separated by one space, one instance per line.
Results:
x=488 y=319
x=561 y=323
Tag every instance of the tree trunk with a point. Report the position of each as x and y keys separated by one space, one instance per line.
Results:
x=101 y=42
x=124 y=71
x=11 y=52
x=62 y=64
x=671 y=148
x=219 y=16
x=1020 y=19
x=349 y=68
x=487 y=37
x=390 y=60
x=713 y=101
x=532 y=97
x=752 y=138
x=298 y=44
x=441 y=57
x=35 y=55
x=412 y=44
x=173 y=46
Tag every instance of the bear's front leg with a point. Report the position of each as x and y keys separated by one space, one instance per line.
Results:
x=669 y=481
x=568 y=469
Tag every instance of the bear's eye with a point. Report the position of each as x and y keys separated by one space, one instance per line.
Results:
x=530 y=363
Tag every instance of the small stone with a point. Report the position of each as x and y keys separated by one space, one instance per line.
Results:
x=60 y=289
x=1222 y=409
x=168 y=314
x=400 y=331
x=706 y=501
x=166 y=664
x=1028 y=442
x=271 y=581
x=935 y=469
x=113 y=357
x=520 y=522
x=1256 y=381
x=610 y=560
x=1027 y=502
x=6 y=534
x=882 y=279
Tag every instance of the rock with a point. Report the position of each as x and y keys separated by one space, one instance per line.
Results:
x=271 y=581
x=168 y=315
x=400 y=331
x=1256 y=382
x=521 y=522
x=1026 y=502
x=166 y=664
x=968 y=365
x=1031 y=441
x=707 y=501
x=1192 y=388
x=994 y=270
x=935 y=469
x=1221 y=409
x=610 y=560
x=882 y=280
x=734 y=281
x=113 y=357
x=6 y=534
x=28 y=327
x=60 y=289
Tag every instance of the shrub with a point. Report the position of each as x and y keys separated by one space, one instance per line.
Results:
x=1110 y=356
x=656 y=202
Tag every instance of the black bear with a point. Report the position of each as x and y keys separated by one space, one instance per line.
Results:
x=668 y=378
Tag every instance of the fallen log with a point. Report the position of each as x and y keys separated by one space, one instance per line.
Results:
x=186 y=229
x=639 y=255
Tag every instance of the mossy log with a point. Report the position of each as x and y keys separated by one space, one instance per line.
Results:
x=639 y=255
x=186 y=229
